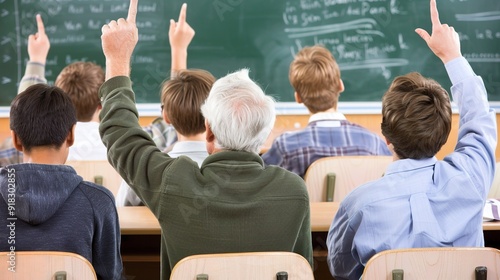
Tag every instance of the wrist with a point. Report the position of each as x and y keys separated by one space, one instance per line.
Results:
x=179 y=59
x=449 y=57
x=116 y=68
x=38 y=60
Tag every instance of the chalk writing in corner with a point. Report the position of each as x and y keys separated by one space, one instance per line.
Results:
x=483 y=57
x=72 y=9
x=68 y=39
x=486 y=16
x=71 y=26
x=310 y=4
x=95 y=9
x=54 y=10
x=366 y=24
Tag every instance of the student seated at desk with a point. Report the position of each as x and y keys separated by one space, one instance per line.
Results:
x=315 y=76
x=233 y=203
x=52 y=207
x=182 y=97
x=420 y=201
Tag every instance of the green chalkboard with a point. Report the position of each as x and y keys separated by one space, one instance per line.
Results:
x=373 y=40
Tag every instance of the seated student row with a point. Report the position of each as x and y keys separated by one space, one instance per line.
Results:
x=231 y=180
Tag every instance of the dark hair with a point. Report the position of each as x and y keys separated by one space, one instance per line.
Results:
x=81 y=81
x=416 y=116
x=42 y=115
x=315 y=76
x=182 y=97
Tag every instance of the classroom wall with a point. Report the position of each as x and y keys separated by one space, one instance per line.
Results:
x=293 y=122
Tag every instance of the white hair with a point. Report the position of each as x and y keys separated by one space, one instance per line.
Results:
x=239 y=113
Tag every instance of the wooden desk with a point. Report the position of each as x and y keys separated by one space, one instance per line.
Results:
x=140 y=221
x=137 y=220
x=140 y=246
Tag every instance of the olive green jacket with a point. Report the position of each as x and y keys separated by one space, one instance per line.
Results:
x=232 y=203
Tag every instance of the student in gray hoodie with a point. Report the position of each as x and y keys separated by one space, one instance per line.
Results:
x=45 y=204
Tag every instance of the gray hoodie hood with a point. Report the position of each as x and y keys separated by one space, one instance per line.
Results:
x=40 y=189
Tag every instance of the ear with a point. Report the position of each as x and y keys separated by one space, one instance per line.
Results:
x=341 y=86
x=70 y=139
x=210 y=138
x=209 y=135
x=16 y=142
x=297 y=98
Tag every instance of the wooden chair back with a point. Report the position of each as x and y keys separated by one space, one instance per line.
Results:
x=98 y=171
x=243 y=266
x=345 y=173
x=48 y=265
x=434 y=263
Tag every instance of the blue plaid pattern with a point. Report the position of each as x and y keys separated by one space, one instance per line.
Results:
x=296 y=150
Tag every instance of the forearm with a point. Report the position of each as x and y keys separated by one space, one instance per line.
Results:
x=179 y=61
x=130 y=149
x=34 y=74
x=116 y=69
x=477 y=134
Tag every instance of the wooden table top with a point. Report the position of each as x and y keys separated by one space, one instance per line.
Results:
x=139 y=220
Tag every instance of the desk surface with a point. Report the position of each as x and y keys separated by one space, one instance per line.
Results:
x=140 y=221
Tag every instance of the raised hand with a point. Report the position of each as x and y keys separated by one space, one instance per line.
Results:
x=38 y=43
x=180 y=36
x=444 y=41
x=118 y=42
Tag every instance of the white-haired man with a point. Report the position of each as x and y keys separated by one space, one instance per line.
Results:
x=232 y=203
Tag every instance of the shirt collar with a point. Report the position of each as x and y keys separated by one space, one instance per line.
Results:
x=402 y=165
x=191 y=146
x=323 y=116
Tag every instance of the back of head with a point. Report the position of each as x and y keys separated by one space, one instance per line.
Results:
x=315 y=77
x=240 y=115
x=42 y=115
x=82 y=80
x=182 y=97
x=416 y=116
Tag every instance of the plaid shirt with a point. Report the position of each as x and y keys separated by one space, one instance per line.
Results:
x=10 y=156
x=163 y=134
x=327 y=134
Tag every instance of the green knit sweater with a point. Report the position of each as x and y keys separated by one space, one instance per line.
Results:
x=233 y=203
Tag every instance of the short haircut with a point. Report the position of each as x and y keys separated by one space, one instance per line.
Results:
x=315 y=76
x=42 y=115
x=240 y=115
x=82 y=80
x=416 y=116
x=182 y=97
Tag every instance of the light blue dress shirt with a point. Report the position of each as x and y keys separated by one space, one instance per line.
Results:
x=423 y=203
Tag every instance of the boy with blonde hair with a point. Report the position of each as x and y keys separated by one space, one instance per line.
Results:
x=315 y=76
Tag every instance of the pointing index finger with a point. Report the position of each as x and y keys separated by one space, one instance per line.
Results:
x=434 y=14
x=39 y=23
x=132 y=11
x=182 y=14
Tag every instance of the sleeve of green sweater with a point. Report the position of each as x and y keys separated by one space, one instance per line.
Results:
x=131 y=150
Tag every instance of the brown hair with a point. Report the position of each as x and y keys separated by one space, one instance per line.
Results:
x=82 y=80
x=315 y=76
x=416 y=116
x=182 y=97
